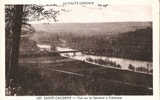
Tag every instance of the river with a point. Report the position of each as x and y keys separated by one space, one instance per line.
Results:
x=121 y=61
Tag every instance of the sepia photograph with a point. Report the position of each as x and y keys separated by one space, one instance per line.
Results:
x=79 y=48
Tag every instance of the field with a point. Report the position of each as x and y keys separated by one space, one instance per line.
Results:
x=65 y=76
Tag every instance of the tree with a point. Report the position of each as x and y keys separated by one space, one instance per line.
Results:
x=12 y=41
x=16 y=17
x=131 y=67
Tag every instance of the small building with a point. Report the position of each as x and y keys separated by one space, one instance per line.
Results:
x=44 y=47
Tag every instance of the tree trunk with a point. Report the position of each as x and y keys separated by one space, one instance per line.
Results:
x=14 y=51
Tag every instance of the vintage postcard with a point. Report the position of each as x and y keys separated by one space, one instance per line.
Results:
x=80 y=49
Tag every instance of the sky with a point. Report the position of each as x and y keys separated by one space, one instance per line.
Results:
x=116 y=11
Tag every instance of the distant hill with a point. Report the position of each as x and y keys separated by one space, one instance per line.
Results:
x=91 y=28
x=136 y=45
x=132 y=40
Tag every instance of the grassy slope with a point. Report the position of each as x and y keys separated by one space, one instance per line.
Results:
x=42 y=79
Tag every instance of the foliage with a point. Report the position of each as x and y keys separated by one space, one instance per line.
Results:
x=38 y=12
x=30 y=13
x=131 y=67
x=142 y=69
x=106 y=62
x=136 y=45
